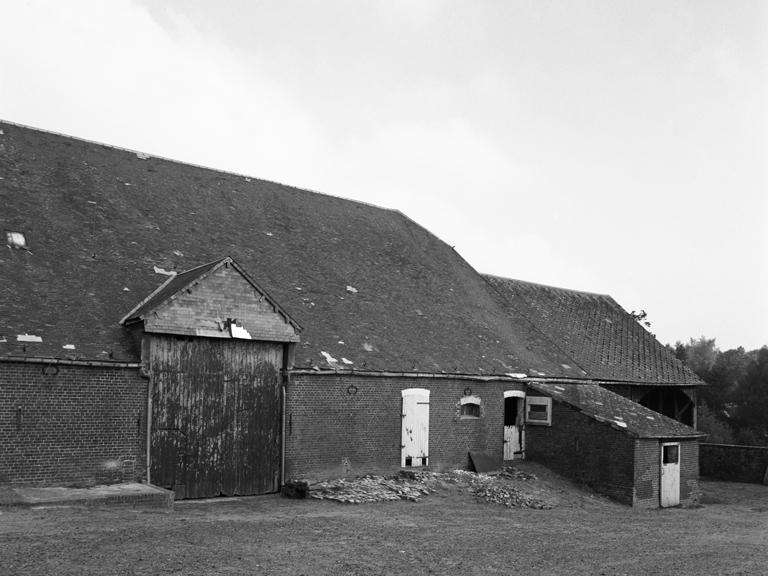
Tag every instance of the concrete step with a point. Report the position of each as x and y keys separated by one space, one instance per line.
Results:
x=132 y=495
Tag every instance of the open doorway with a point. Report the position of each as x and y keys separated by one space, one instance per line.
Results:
x=514 y=429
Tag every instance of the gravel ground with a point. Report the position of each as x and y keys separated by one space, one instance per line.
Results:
x=449 y=531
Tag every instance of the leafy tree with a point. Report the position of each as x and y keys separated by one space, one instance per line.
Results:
x=700 y=355
x=719 y=432
x=751 y=399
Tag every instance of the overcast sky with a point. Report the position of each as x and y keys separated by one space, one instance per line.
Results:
x=617 y=147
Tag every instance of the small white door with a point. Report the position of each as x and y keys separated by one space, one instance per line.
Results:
x=415 y=434
x=670 y=474
x=514 y=432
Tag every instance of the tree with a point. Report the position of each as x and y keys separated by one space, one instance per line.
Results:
x=751 y=398
x=700 y=355
x=719 y=432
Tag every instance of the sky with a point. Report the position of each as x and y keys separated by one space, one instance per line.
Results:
x=617 y=147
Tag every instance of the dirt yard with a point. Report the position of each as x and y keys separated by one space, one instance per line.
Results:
x=449 y=531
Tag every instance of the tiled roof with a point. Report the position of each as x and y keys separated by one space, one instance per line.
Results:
x=365 y=283
x=596 y=332
x=616 y=410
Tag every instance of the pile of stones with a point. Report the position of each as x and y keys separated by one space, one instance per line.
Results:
x=372 y=489
x=414 y=485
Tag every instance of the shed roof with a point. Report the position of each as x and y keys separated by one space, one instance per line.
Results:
x=367 y=284
x=602 y=337
x=616 y=410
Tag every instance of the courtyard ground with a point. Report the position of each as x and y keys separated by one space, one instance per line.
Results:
x=450 y=531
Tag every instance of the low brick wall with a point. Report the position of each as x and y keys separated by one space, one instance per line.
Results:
x=71 y=425
x=734 y=463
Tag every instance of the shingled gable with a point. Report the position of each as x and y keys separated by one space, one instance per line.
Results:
x=616 y=410
x=218 y=299
x=367 y=284
x=596 y=332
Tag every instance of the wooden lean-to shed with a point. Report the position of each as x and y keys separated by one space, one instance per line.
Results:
x=214 y=344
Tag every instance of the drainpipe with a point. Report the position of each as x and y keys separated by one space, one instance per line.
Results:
x=282 y=450
x=149 y=425
x=288 y=351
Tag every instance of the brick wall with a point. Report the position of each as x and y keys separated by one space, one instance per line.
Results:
x=71 y=425
x=648 y=471
x=224 y=294
x=584 y=450
x=350 y=425
x=734 y=463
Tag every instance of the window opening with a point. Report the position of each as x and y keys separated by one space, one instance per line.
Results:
x=671 y=454
x=538 y=410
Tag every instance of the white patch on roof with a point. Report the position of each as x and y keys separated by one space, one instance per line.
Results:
x=3 y=339
x=650 y=418
x=126 y=289
x=609 y=321
x=537 y=373
x=68 y=346
x=328 y=358
x=367 y=347
x=163 y=271
x=516 y=375
x=620 y=423
x=239 y=332
x=269 y=233
x=351 y=289
x=127 y=183
x=299 y=288
x=28 y=338
x=566 y=366
x=559 y=388
x=142 y=155
x=346 y=361
x=618 y=418
x=341 y=342
x=2 y=133
x=94 y=202
x=178 y=253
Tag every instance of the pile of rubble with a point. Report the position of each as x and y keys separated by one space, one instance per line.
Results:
x=414 y=485
x=495 y=489
x=372 y=489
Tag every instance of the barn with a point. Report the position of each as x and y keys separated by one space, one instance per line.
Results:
x=217 y=334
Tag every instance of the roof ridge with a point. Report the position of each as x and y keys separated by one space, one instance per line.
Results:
x=539 y=284
x=194 y=165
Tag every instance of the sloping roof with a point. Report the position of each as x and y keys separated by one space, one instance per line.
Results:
x=365 y=283
x=178 y=282
x=174 y=284
x=616 y=410
x=596 y=332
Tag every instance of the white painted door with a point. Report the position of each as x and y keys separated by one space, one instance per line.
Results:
x=415 y=434
x=514 y=433
x=670 y=474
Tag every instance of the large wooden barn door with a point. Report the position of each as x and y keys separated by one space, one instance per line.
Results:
x=215 y=416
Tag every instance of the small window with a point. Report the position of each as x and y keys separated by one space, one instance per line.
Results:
x=470 y=410
x=470 y=407
x=538 y=410
x=671 y=454
x=15 y=240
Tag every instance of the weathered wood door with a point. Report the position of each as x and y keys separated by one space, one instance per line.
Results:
x=216 y=416
x=670 y=474
x=415 y=431
x=514 y=433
